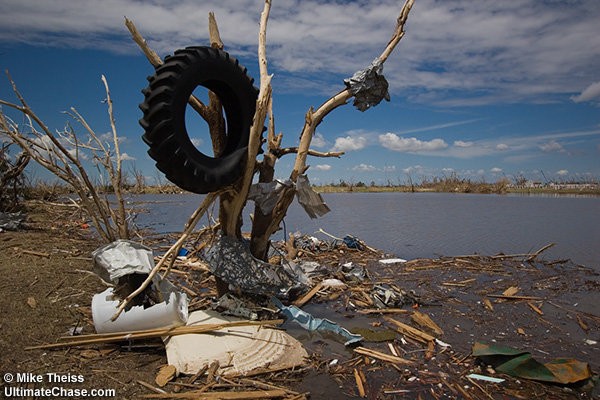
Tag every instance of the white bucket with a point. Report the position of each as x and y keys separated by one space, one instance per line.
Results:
x=171 y=312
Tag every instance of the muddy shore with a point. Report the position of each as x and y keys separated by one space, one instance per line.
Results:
x=47 y=286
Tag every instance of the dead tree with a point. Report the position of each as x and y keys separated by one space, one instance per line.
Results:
x=12 y=178
x=61 y=154
x=233 y=200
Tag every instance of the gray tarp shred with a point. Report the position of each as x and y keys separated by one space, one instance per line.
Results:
x=368 y=86
x=265 y=195
x=232 y=261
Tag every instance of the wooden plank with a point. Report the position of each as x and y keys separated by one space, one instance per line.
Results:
x=305 y=299
x=410 y=331
x=382 y=356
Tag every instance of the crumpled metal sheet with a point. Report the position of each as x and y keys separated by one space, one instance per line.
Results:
x=231 y=260
x=311 y=323
x=267 y=194
x=311 y=201
x=120 y=258
x=368 y=86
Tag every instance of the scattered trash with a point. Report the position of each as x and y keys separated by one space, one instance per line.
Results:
x=333 y=283
x=265 y=195
x=183 y=252
x=127 y=264
x=238 y=350
x=392 y=261
x=311 y=323
x=353 y=242
x=521 y=364
x=368 y=86
x=353 y=272
x=172 y=311
x=121 y=258
x=311 y=201
x=233 y=306
x=230 y=260
x=11 y=221
x=385 y=296
x=485 y=378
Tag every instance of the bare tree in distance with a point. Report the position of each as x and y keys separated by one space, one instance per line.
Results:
x=62 y=153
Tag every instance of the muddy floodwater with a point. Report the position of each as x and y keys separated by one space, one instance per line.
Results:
x=413 y=225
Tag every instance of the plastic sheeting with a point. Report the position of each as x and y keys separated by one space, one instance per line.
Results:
x=368 y=86
x=265 y=195
x=120 y=258
x=521 y=364
x=311 y=323
x=311 y=201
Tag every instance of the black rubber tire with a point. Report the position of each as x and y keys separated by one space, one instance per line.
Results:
x=164 y=108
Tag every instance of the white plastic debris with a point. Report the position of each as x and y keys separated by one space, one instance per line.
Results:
x=172 y=311
x=333 y=283
x=392 y=261
x=485 y=378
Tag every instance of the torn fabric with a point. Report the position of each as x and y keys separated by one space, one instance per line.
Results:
x=368 y=86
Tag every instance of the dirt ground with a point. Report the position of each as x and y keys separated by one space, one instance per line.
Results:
x=47 y=287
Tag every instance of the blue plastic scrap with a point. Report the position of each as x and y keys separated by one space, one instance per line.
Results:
x=353 y=242
x=311 y=323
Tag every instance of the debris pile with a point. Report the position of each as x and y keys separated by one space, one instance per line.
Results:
x=363 y=323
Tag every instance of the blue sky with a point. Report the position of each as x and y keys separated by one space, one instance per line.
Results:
x=480 y=88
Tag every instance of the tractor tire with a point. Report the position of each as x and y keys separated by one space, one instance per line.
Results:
x=166 y=99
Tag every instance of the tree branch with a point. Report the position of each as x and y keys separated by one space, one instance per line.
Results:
x=314 y=153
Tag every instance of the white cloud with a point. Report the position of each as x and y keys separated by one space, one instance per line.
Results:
x=589 y=93
x=551 y=146
x=562 y=172
x=493 y=51
x=364 y=168
x=127 y=157
x=393 y=142
x=323 y=167
x=318 y=140
x=108 y=138
x=496 y=170
x=502 y=146
x=197 y=142
x=350 y=143
x=460 y=143
x=389 y=168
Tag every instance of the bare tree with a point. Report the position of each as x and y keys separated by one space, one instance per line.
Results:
x=233 y=201
x=12 y=178
x=234 y=198
x=138 y=178
x=62 y=154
